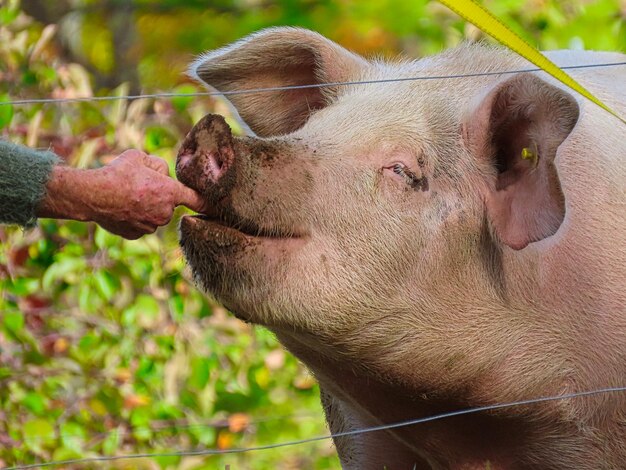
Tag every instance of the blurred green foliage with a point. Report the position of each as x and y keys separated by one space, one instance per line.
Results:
x=106 y=348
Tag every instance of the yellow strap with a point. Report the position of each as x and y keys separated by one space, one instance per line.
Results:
x=484 y=20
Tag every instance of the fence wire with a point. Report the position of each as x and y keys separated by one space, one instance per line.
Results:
x=289 y=87
x=384 y=427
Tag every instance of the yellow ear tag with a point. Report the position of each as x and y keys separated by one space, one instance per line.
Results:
x=528 y=154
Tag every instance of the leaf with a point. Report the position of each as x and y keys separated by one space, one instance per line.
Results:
x=86 y=153
x=62 y=271
x=96 y=40
x=140 y=419
x=204 y=434
x=262 y=377
x=238 y=422
x=145 y=312
x=66 y=453
x=8 y=14
x=106 y=284
x=112 y=442
x=35 y=403
x=199 y=373
x=105 y=239
x=85 y=297
x=24 y=286
x=34 y=128
x=224 y=440
x=177 y=308
x=133 y=400
x=14 y=322
x=157 y=138
x=38 y=433
x=47 y=34
x=97 y=407
x=88 y=342
x=116 y=114
x=169 y=461
x=123 y=375
x=6 y=111
x=73 y=437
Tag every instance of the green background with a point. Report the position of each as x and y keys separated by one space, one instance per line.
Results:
x=106 y=348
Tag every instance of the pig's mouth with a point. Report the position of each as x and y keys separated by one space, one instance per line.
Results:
x=246 y=228
x=224 y=224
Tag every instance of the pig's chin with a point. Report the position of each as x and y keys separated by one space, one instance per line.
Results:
x=232 y=264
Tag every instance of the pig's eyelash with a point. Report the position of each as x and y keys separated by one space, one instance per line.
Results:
x=411 y=178
x=398 y=169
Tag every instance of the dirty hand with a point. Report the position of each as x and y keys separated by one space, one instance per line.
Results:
x=131 y=196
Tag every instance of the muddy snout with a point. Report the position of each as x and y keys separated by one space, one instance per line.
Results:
x=206 y=159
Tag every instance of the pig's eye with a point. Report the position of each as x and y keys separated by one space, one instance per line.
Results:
x=411 y=178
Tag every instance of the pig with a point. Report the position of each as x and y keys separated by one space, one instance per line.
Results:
x=424 y=246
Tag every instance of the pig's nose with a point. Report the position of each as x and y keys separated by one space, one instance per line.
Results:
x=207 y=152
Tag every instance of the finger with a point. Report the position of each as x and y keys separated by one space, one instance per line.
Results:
x=137 y=234
x=135 y=230
x=190 y=198
x=146 y=227
x=165 y=217
x=132 y=154
x=132 y=235
x=157 y=164
x=129 y=233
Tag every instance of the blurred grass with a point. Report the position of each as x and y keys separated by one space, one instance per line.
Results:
x=106 y=348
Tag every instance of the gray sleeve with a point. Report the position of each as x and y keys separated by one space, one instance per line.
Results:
x=23 y=176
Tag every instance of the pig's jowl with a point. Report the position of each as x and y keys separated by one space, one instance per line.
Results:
x=425 y=246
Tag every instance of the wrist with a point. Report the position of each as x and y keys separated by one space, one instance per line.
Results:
x=68 y=194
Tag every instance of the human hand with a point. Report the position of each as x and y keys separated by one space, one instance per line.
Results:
x=137 y=195
x=130 y=197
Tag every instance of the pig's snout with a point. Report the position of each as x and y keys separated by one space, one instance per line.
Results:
x=207 y=156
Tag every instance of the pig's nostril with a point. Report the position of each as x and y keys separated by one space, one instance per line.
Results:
x=215 y=164
x=185 y=159
x=216 y=161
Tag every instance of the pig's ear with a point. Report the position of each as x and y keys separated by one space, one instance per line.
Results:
x=517 y=127
x=278 y=57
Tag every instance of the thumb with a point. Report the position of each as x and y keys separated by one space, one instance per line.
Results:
x=190 y=198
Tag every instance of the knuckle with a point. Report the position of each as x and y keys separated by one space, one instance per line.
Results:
x=165 y=218
x=161 y=219
x=163 y=164
x=135 y=155
x=129 y=153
